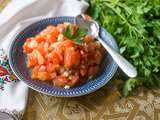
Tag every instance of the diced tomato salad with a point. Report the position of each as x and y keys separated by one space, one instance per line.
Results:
x=53 y=57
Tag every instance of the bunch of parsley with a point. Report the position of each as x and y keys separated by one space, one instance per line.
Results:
x=135 y=24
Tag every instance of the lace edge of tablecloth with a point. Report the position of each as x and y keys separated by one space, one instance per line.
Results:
x=14 y=114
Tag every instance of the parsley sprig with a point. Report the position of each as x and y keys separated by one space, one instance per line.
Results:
x=77 y=35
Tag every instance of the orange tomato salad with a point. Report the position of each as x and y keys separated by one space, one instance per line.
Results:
x=60 y=60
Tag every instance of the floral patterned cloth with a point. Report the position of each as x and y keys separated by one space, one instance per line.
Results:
x=6 y=74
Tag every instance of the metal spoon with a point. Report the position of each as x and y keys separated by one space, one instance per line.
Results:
x=93 y=29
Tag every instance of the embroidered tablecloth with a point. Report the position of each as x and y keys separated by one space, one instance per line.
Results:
x=104 y=104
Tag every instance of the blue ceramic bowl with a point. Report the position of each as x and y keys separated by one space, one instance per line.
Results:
x=18 y=64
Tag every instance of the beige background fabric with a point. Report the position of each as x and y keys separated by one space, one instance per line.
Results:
x=3 y=3
x=104 y=104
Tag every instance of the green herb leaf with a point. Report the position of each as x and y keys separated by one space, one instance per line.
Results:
x=68 y=32
x=77 y=35
x=78 y=41
x=131 y=84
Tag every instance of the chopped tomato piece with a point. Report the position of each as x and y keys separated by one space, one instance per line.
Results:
x=68 y=43
x=32 y=59
x=29 y=45
x=60 y=81
x=83 y=71
x=35 y=72
x=54 y=58
x=53 y=75
x=43 y=48
x=98 y=57
x=39 y=56
x=88 y=38
x=71 y=57
x=93 y=70
x=48 y=30
x=54 y=36
x=42 y=73
x=40 y=38
x=60 y=27
x=51 y=67
x=74 y=79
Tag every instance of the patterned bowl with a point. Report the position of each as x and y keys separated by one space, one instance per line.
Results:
x=18 y=64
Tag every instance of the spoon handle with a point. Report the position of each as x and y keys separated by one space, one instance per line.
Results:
x=126 y=67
